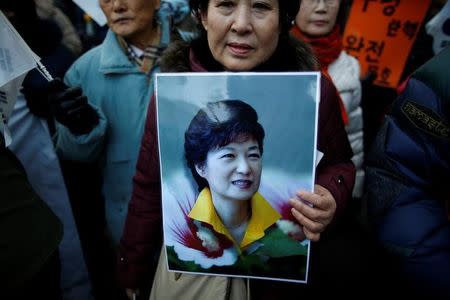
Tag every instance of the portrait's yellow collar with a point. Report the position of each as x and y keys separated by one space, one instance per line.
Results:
x=263 y=216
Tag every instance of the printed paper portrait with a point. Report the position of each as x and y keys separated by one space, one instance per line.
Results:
x=233 y=149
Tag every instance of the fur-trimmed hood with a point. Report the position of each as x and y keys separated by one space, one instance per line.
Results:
x=176 y=57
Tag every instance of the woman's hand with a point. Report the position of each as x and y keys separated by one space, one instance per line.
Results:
x=316 y=213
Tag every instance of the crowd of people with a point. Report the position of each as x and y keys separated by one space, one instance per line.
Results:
x=81 y=201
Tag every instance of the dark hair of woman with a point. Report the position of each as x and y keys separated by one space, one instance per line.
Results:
x=344 y=9
x=217 y=125
x=287 y=57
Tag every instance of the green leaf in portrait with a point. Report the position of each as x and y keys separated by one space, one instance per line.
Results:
x=177 y=264
x=277 y=244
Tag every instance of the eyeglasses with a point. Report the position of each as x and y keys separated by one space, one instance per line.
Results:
x=329 y=3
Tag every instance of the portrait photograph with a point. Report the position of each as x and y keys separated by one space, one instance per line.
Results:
x=234 y=148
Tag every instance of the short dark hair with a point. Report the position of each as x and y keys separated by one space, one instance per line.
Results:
x=216 y=125
x=343 y=13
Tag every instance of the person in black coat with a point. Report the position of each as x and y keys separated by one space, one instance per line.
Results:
x=408 y=171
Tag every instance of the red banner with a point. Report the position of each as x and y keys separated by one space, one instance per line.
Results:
x=380 y=34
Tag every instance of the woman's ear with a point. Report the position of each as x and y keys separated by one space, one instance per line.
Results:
x=200 y=168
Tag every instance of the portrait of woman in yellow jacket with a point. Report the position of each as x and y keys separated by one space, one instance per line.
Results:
x=231 y=228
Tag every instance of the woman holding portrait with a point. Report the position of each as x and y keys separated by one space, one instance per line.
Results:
x=238 y=35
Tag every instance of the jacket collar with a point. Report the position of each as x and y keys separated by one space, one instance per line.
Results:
x=263 y=216
x=113 y=58
x=196 y=66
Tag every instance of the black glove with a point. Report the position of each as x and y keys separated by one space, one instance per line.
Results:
x=34 y=88
x=71 y=108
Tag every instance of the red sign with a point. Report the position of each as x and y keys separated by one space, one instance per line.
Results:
x=380 y=34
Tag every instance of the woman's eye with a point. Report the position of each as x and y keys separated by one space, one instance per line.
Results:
x=228 y=155
x=262 y=6
x=254 y=155
x=226 y=4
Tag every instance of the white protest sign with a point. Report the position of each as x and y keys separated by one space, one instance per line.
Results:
x=92 y=8
x=16 y=57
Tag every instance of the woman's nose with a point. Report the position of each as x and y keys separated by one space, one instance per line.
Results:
x=242 y=20
x=119 y=5
x=321 y=5
x=243 y=166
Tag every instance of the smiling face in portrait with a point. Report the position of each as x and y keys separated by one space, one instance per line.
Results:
x=131 y=19
x=242 y=34
x=233 y=171
x=317 y=17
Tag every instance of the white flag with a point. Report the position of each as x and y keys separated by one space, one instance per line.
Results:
x=8 y=96
x=92 y=8
x=16 y=58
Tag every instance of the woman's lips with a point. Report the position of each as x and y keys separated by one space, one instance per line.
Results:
x=320 y=23
x=239 y=49
x=242 y=184
x=121 y=20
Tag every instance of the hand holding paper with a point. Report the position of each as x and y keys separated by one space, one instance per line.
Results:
x=70 y=108
x=34 y=88
x=315 y=217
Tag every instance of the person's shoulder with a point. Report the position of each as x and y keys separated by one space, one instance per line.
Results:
x=345 y=61
x=91 y=54
x=345 y=72
x=327 y=86
x=176 y=57
x=329 y=98
x=348 y=57
x=88 y=59
x=304 y=56
x=434 y=73
x=86 y=65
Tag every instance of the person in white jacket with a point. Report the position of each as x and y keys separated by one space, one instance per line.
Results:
x=320 y=24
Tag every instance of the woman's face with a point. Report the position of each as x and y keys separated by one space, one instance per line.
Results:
x=317 y=17
x=131 y=19
x=233 y=171
x=242 y=34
